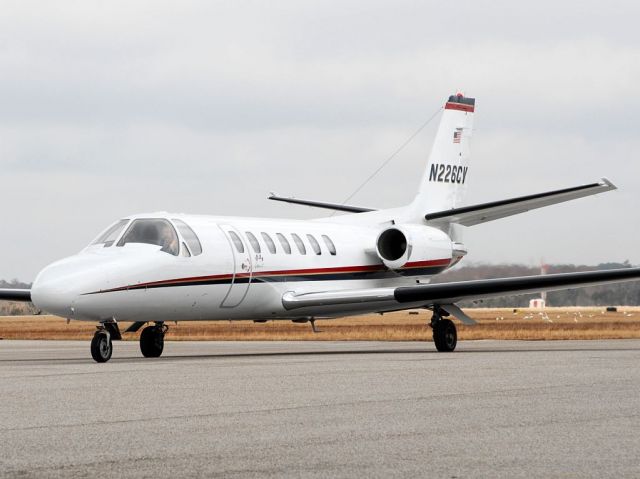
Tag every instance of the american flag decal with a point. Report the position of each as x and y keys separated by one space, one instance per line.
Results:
x=457 y=135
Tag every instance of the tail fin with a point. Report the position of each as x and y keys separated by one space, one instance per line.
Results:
x=444 y=182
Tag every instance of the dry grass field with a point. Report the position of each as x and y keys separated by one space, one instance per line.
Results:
x=552 y=323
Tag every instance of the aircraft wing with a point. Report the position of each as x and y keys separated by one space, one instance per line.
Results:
x=476 y=214
x=450 y=293
x=320 y=204
x=15 y=294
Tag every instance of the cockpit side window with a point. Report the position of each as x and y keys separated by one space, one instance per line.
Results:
x=111 y=234
x=153 y=231
x=189 y=236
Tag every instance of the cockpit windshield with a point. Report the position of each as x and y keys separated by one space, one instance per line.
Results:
x=111 y=234
x=153 y=231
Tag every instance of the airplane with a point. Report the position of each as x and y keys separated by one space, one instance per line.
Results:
x=152 y=269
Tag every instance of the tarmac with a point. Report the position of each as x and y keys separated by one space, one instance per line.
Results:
x=321 y=409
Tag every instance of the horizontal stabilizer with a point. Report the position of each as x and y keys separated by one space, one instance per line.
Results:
x=446 y=294
x=319 y=204
x=15 y=295
x=476 y=214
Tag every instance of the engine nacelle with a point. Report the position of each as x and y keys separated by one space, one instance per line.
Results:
x=406 y=245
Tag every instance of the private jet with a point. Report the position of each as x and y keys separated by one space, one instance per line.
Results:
x=158 y=268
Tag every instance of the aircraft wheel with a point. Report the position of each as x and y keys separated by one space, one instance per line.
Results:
x=152 y=341
x=101 y=347
x=445 y=335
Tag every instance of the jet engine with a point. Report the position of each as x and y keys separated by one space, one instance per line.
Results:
x=400 y=245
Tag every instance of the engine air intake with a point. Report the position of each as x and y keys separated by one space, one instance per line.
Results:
x=392 y=244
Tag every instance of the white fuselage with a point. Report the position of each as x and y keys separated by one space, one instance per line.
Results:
x=136 y=270
x=140 y=282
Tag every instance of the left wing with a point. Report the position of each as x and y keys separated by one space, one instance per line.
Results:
x=320 y=204
x=406 y=297
x=15 y=294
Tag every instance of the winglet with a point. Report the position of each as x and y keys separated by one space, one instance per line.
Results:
x=608 y=183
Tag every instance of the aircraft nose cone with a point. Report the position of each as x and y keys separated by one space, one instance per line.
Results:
x=58 y=286
x=53 y=292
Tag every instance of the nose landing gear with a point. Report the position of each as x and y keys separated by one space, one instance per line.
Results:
x=445 y=335
x=101 y=346
x=152 y=340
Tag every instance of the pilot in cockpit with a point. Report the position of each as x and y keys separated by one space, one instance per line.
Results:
x=169 y=240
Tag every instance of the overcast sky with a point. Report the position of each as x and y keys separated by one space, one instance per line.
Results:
x=112 y=108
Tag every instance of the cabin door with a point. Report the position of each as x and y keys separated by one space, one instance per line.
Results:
x=243 y=267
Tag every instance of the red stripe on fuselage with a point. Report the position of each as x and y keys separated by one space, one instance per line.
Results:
x=286 y=272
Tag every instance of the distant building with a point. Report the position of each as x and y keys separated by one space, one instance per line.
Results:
x=544 y=268
x=537 y=303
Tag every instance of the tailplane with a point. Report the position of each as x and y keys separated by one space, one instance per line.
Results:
x=444 y=183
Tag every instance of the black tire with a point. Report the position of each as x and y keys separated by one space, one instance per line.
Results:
x=445 y=335
x=152 y=342
x=101 y=347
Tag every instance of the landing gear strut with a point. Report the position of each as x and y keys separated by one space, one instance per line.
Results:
x=101 y=346
x=445 y=335
x=152 y=340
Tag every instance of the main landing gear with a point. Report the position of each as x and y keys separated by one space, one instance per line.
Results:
x=445 y=335
x=151 y=340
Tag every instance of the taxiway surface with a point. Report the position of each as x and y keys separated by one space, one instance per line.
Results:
x=321 y=409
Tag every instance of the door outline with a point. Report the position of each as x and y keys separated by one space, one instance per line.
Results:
x=238 y=260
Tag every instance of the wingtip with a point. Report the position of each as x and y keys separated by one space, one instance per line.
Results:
x=607 y=182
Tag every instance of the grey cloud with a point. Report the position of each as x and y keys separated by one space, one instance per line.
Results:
x=108 y=109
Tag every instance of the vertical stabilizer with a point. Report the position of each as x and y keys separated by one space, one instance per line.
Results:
x=444 y=182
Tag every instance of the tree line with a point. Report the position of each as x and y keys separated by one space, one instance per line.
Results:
x=616 y=294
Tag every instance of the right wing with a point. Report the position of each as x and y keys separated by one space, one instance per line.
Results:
x=15 y=294
x=407 y=297
x=476 y=214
